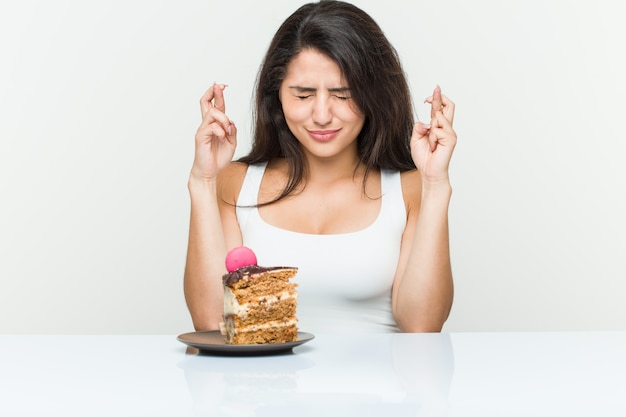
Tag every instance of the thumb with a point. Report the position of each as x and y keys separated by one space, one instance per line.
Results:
x=421 y=131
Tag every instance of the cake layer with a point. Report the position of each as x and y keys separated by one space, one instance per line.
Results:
x=247 y=310
x=246 y=277
x=259 y=313
x=236 y=301
x=264 y=288
x=271 y=332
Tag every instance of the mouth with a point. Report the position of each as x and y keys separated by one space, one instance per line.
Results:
x=323 y=135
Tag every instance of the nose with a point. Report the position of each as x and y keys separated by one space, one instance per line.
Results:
x=322 y=115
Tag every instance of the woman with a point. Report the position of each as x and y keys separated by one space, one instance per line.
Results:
x=330 y=184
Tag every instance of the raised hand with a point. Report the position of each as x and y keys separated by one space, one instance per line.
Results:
x=432 y=144
x=216 y=138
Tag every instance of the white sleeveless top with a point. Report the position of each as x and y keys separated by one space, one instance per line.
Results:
x=344 y=280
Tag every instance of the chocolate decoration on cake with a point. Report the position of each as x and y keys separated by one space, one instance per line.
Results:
x=241 y=273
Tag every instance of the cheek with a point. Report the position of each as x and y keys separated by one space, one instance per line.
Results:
x=347 y=114
x=295 y=112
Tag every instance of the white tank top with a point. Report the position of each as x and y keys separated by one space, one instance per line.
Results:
x=344 y=280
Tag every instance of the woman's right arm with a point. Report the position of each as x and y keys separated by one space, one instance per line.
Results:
x=213 y=227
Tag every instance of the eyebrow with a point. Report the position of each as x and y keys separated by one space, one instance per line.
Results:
x=312 y=90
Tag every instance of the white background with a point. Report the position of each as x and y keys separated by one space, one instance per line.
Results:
x=99 y=106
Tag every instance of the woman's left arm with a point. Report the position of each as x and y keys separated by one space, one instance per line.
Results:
x=423 y=286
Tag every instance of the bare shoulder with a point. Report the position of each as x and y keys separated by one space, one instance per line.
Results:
x=275 y=178
x=411 y=190
x=230 y=181
x=277 y=168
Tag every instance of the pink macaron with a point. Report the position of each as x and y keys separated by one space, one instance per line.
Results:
x=239 y=257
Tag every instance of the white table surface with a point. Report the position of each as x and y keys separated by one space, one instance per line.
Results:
x=458 y=374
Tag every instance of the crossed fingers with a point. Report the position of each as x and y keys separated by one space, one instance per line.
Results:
x=213 y=112
x=440 y=104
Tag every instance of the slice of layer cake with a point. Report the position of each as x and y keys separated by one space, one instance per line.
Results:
x=259 y=302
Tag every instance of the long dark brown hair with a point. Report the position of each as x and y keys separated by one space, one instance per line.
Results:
x=372 y=69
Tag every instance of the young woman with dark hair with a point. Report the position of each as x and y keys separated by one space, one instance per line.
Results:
x=339 y=182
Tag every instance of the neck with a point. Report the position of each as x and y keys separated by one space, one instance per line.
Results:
x=325 y=170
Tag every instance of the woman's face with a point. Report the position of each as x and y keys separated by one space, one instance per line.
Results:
x=318 y=107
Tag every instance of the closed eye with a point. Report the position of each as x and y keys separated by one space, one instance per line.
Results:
x=303 y=93
x=342 y=93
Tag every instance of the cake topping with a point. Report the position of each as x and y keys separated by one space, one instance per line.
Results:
x=240 y=257
x=244 y=272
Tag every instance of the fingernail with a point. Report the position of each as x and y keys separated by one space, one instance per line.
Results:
x=425 y=126
x=229 y=129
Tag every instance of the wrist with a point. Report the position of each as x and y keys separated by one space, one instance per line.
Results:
x=436 y=197
x=201 y=184
x=437 y=188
